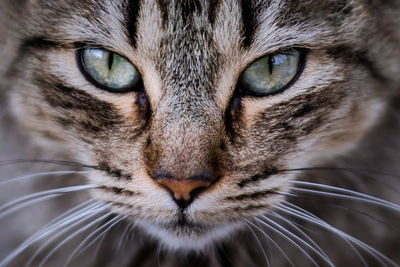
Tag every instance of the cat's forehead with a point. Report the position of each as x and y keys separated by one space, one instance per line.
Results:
x=195 y=48
x=261 y=25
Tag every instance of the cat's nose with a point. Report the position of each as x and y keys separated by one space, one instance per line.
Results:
x=185 y=190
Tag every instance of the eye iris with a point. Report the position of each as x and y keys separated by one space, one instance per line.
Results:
x=110 y=69
x=270 y=74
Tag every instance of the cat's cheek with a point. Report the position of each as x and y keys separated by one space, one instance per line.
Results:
x=353 y=127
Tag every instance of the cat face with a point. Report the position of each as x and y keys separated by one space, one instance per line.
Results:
x=189 y=152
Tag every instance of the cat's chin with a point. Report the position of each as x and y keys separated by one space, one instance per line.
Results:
x=188 y=238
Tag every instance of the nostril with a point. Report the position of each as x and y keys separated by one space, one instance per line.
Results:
x=195 y=192
x=184 y=203
x=184 y=191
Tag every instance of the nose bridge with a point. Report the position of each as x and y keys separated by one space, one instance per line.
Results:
x=185 y=156
x=186 y=125
x=185 y=138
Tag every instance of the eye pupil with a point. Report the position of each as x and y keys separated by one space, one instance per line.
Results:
x=110 y=60
x=271 y=62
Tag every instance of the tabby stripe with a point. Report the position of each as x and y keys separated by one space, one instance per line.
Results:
x=353 y=56
x=119 y=191
x=113 y=171
x=255 y=195
x=186 y=7
x=121 y=205
x=257 y=177
x=213 y=9
x=189 y=7
x=41 y=42
x=163 y=7
x=133 y=10
x=249 y=22
x=99 y=114
x=249 y=208
x=32 y=43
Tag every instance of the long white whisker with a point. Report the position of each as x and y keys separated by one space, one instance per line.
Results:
x=44 y=232
x=34 y=175
x=302 y=233
x=287 y=232
x=123 y=237
x=73 y=236
x=273 y=242
x=66 y=225
x=43 y=195
x=347 y=194
x=344 y=239
x=27 y=204
x=291 y=241
x=107 y=225
x=77 y=209
x=98 y=248
x=260 y=245
x=317 y=221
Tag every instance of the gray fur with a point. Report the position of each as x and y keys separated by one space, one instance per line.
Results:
x=342 y=112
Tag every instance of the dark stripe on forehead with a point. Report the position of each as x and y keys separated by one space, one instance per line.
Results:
x=248 y=21
x=186 y=8
x=189 y=7
x=163 y=6
x=213 y=9
x=353 y=56
x=133 y=9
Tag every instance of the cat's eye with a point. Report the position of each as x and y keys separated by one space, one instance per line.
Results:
x=108 y=70
x=272 y=73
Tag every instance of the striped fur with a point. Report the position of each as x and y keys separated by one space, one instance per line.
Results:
x=189 y=117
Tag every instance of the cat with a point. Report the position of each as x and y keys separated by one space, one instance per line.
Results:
x=200 y=133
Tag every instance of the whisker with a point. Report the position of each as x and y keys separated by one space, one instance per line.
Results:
x=49 y=228
x=123 y=237
x=73 y=236
x=319 y=222
x=354 y=170
x=98 y=249
x=365 y=214
x=56 y=162
x=272 y=241
x=298 y=230
x=34 y=175
x=347 y=194
x=110 y=224
x=290 y=240
x=65 y=226
x=287 y=232
x=260 y=245
x=345 y=240
x=344 y=236
x=41 y=196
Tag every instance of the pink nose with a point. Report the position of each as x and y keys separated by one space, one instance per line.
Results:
x=182 y=189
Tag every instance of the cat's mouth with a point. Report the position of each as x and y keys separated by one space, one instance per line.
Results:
x=185 y=234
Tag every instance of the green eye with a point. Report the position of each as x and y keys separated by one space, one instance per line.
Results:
x=271 y=74
x=109 y=70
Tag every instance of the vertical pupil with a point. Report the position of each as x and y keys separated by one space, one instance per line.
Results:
x=271 y=61
x=110 y=60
